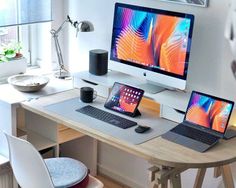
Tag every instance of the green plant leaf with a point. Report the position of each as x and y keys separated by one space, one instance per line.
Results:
x=4 y=59
x=10 y=53
x=10 y=50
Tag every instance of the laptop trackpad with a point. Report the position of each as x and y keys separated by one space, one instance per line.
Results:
x=185 y=141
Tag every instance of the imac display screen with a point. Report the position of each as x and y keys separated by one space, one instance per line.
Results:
x=152 y=39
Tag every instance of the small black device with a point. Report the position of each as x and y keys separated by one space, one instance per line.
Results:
x=106 y=117
x=87 y=94
x=98 y=62
x=230 y=133
x=141 y=129
x=124 y=99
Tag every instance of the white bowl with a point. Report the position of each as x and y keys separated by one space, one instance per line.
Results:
x=28 y=83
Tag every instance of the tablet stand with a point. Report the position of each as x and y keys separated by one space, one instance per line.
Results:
x=137 y=113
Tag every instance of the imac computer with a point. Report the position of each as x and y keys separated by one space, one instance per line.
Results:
x=151 y=44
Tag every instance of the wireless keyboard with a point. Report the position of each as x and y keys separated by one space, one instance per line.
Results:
x=106 y=117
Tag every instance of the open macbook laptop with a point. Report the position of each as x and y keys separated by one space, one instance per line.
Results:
x=205 y=122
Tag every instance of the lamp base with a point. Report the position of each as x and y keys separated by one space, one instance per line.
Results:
x=62 y=74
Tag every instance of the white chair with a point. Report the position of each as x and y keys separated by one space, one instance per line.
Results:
x=31 y=171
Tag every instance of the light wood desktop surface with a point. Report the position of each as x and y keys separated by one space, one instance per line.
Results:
x=157 y=151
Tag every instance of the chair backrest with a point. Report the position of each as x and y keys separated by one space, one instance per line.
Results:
x=28 y=166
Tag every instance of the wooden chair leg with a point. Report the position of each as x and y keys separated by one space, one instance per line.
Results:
x=227 y=176
x=199 y=178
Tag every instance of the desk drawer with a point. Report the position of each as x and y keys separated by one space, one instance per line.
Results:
x=102 y=91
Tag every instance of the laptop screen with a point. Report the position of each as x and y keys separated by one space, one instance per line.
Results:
x=208 y=111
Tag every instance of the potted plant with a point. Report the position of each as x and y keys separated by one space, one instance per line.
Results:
x=11 y=60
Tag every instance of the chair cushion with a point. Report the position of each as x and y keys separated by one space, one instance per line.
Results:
x=66 y=172
x=83 y=184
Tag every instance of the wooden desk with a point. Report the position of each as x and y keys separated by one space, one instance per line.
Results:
x=168 y=159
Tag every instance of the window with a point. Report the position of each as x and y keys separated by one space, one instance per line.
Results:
x=18 y=12
x=17 y=34
x=14 y=17
x=8 y=34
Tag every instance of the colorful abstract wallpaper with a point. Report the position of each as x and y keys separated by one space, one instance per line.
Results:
x=208 y=112
x=152 y=40
x=124 y=98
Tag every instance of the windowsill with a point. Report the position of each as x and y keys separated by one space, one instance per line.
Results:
x=34 y=70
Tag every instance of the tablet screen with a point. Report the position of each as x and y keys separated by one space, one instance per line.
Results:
x=124 y=99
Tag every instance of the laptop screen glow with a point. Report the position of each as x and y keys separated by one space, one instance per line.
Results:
x=208 y=111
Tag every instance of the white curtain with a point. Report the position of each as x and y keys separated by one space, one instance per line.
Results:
x=18 y=12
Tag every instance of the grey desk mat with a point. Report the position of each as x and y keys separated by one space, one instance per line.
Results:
x=68 y=108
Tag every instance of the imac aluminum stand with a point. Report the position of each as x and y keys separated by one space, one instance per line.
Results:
x=152 y=88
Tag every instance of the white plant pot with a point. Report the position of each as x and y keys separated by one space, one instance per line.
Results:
x=13 y=67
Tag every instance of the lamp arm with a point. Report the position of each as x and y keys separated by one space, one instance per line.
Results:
x=57 y=44
x=59 y=53
x=60 y=28
x=55 y=32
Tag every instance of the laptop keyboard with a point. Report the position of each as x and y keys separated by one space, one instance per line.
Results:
x=106 y=117
x=195 y=134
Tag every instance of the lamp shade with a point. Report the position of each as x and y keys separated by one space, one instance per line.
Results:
x=19 y=12
x=85 y=26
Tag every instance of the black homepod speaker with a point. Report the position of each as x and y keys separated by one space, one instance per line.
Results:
x=98 y=60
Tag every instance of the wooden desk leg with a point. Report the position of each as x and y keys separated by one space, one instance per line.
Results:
x=199 y=178
x=158 y=184
x=175 y=181
x=152 y=173
x=217 y=172
x=163 y=184
x=159 y=176
x=227 y=176
x=156 y=178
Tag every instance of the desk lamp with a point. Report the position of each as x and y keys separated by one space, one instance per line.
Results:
x=83 y=26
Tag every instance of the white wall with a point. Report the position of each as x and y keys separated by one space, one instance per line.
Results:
x=43 y=46
x=209 y=69
x=58 y=17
